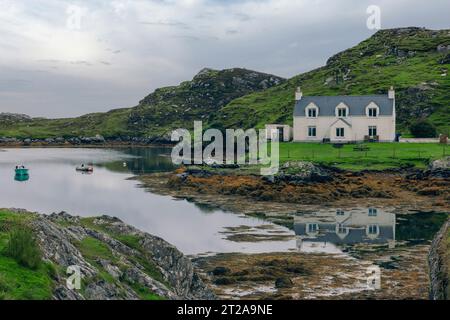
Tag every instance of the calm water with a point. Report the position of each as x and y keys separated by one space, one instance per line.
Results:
x=55 y=186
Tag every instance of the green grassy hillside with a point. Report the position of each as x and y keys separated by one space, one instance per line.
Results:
x=407 y=59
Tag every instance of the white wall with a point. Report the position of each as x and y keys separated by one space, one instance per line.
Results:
x=360 y=128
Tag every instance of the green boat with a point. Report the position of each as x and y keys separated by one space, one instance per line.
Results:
x=21 y=172
x=21 y=178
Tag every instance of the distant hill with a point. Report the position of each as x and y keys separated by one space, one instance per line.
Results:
x=157 y=114
x=415 y=61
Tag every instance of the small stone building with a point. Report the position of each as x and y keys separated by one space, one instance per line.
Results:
x=280 y=132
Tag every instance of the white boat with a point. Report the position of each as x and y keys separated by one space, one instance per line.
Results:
x=85 y=168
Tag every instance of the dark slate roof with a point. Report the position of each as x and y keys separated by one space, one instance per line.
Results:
x=357 y=104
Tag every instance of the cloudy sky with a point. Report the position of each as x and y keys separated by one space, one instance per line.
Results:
x=65 y=58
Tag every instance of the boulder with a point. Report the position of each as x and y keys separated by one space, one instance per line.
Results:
x=443 y=163
x=297 y=172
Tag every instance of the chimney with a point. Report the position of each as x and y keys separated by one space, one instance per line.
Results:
x=391 y=93
x=298 y=94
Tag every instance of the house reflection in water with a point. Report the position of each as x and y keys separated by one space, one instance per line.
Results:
x=326 y=231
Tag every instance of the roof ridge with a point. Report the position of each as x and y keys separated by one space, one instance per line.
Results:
x=356 y=96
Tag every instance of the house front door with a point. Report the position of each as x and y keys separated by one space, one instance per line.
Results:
x=281 y=134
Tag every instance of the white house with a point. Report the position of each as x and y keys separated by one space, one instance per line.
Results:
x=344 y=118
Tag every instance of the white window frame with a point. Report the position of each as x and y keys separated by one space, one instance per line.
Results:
x=338 y=132
x=373 y=112
x=312 y=107
x=309 y=131
x=371 y=128
x=312 y=228
x=342 y=106
x=342 y=112
x=373 y=229
x=373 y=212
x=341 y=229
x=372 y=106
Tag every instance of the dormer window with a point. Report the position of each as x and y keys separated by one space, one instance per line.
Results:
x=342 y=111
x=312 y=111
x=372 y=110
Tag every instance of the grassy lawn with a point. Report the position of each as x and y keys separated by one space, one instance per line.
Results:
x=380 y=156
x=16 y=281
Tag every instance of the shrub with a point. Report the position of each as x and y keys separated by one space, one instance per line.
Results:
x=423 y=129
x=23 y=248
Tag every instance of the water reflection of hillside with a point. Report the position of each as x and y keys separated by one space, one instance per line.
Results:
x=143 y=160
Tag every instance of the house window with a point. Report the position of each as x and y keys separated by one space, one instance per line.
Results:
x=342 y=112
x=312 y=113
x=340 y=132
x=373 y=112
x=340 y=212
x=373 y=131
x=373 y=229
x=312 y=132
x=373 y=212
x=313 y=227
x=341 y=229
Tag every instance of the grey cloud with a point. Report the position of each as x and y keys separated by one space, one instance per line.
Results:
x=232 y=32
x=174 y=24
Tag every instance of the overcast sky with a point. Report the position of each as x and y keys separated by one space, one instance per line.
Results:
x=65 y=58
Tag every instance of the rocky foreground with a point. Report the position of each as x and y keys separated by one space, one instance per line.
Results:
x=439 y=264
x=116 y=260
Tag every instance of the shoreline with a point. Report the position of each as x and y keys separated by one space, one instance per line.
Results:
x=77 y=146
x=278 y=202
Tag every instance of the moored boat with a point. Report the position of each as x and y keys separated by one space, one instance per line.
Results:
x=84 y=168
x=21 y=171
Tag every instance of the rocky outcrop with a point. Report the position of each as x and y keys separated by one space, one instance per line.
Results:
x=8 y=118
x=440 y=164
x=129 y=261
x=438 y=261
x=303 y=171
